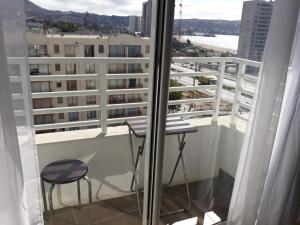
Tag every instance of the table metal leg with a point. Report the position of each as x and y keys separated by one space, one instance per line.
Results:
x=135 y=174
x=186 y=183
x=87 y=179
x=139 y=154
x=50 y=199
x=181 y=143
x=135 y=161
x=79 y=193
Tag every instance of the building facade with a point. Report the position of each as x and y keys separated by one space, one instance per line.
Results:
x=255 y=22
x=41 y=45
x=146 y=18
x=134 y=24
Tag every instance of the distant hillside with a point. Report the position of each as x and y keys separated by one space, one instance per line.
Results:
x=34 y=12
x=190 y=26
x=106 y=23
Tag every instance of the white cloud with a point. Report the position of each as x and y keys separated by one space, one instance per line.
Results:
x=210 y=9
x=202 y=9
x=102 y=7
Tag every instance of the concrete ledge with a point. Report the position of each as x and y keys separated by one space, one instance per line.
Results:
x=122 y=130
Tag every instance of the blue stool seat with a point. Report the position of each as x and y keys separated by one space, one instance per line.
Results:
x=64 y=171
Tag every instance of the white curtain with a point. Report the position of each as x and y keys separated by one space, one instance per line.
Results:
x=20 y=201
x=280 y=199
x=269 y=161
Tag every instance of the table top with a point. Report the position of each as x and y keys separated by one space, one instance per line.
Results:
x=64 y=171
x=175 y=125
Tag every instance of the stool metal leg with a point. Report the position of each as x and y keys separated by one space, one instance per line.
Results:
x=87 y=179
x=50 y=199
x=44 y=195
x=79 y=193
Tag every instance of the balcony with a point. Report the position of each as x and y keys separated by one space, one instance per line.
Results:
x=215 y=161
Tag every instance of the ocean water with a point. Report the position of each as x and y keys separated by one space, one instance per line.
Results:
x=222 y=41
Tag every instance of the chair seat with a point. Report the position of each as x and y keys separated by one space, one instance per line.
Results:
x=64 y=171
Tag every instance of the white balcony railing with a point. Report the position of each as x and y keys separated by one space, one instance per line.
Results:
x=242 y=88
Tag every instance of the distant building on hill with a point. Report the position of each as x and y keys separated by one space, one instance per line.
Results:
x=255 y=22
x=146 y=18
x=134 y=24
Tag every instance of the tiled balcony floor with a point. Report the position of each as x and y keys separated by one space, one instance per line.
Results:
x=123 y=210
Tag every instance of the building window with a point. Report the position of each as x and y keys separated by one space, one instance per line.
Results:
x=133 y=111
x=116 y=99
x=132 y=83
x=147 y=49
x=117 y=51
x=41 y=103
x=70 y=50
x=34 y=69
x=134 y=68
x=73 y=116
x=117 y=68
x=116 y=84
x=146 y=65
x=71 y=85
x=70 y=68
x=89 y=68
x=89 y=51
x=91 y=115
x=60 y=100
x=101 y=49
x=37 y=50
x=90 y=84
x=39 y=69
x=43 y=86
x=57 y=67
x=61 y=116
x=72 y=101
x=134 y=51
x=114 y=113
x=91 y=100
x=146 y=80
x=43 y=119
x=58 y=85
x=56 y=49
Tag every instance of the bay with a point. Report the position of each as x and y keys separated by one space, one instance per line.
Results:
x=229 y=42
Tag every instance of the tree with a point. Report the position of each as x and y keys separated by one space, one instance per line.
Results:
x=174 y=95
x=65 y=26
x=95 y=27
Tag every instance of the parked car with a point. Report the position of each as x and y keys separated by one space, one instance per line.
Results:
x=207 y=80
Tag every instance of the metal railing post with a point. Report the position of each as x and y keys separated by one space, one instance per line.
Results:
x=237 y=94
x=218 y=92
x=103 y=97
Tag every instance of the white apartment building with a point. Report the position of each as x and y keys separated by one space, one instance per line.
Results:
x=134 y=24
x=255 y=22
x=146 y=18
x=56 y=45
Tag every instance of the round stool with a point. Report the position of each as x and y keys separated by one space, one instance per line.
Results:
x=64 y=172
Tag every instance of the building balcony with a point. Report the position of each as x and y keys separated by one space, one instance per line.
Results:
x=213 y=162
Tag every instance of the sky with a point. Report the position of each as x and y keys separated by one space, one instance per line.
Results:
x=200 y=9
